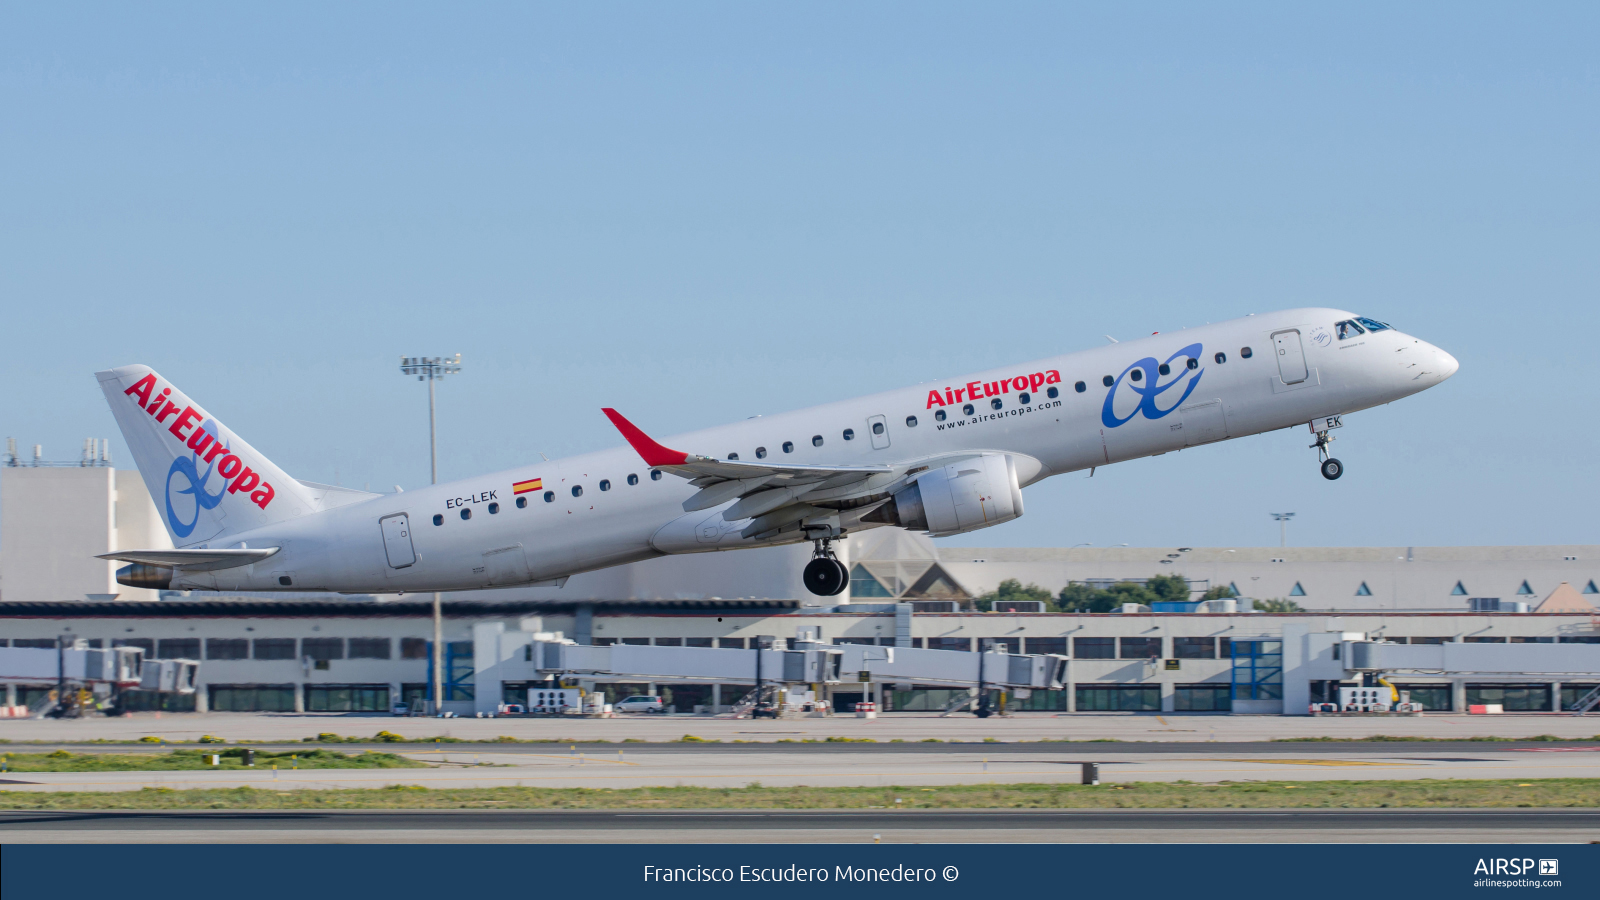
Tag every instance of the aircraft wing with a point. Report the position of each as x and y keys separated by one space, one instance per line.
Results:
x=761 y=486
x=192 y=560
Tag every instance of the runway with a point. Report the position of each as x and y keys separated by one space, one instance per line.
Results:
x=844 y=765
x=811 y=826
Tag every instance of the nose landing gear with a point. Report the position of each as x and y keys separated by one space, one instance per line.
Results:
x=1331 y=468
x=824 y=575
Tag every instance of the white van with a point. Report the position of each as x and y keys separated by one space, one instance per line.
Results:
x=646 y=703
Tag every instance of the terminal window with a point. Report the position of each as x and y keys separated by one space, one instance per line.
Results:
x=413 y=648
x=1202 y=698
x=1431 y=696
x=347 y=698
x=1119 y=698
x=369 y=648
x=1194 y=647
x=1094 y=648
x=322 y=648
x=1141 y=648
x=949 y=643
x=274 y=648
x=1511 y=697
x=1057 y=645
x=227 y=648
x=252 y=698
x=178 y=648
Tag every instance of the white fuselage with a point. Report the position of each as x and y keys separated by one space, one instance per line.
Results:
x=343 y=549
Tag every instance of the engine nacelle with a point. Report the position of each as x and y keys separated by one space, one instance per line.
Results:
x=963 y=496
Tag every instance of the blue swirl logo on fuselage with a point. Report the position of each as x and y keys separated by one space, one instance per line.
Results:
x=1150 y=387
x=188 y=467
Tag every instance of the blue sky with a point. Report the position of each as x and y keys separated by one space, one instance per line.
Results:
x=702 y=212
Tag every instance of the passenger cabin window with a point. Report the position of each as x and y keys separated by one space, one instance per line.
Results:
x=438 y=520
x=911 y=422
x=816 y=440
x=1164 y=369
x=1137 y=375
x=761 y=453
x=1024 y=397
x=522 y=503
x=494 y=508
x=577 y=490
x=466 y=514
x=1052 y=393
x=633 y=479
x=733 y=456
x=1193 y=363
x=967 y=409
x=1220 y=358
x=1080 y=387
x=849 y=435
x=1347 y=329
x=605 y=484
x=1245 y=353
x=788 y=446
x=1108 y=381
x=995 y=403
x=938 y=415
x=655 y=474
x=877 y=427
x=549 y=496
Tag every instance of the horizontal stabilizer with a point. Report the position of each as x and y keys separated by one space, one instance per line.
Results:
x=192 y=560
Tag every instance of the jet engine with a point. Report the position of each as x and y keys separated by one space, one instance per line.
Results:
x=963 y=496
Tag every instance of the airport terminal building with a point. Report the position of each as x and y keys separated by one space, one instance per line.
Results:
x=330 y=653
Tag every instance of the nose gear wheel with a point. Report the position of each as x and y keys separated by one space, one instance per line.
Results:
x=1331 y=468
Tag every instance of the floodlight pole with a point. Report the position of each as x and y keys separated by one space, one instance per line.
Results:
x=1283 y=527
x=431 y=369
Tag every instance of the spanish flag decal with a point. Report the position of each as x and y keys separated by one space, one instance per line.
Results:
x=532 y=484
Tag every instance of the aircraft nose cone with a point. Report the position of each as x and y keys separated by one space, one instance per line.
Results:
x=1447 y=364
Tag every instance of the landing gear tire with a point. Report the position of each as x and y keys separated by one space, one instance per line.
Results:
x=1332 y=469
x=825 y=576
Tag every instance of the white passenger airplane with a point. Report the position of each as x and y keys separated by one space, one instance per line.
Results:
x=943 y=457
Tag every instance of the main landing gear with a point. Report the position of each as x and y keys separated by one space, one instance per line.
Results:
x=824 y=575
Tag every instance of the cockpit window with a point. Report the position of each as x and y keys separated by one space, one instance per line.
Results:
x=1347 y=329
x=1373 y=324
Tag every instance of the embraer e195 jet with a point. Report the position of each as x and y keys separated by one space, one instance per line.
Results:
x=944 y=457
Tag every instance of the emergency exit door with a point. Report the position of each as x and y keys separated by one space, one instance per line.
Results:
x=878 y=428
x=397 y=541
x=1291 y=356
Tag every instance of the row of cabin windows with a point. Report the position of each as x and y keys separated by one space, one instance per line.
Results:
x=849 y=434
x=1164 y=369
x=549 y=496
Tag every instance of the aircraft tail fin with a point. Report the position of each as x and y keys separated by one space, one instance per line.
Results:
x=207 y=482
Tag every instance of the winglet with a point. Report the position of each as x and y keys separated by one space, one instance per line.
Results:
x=653 y=453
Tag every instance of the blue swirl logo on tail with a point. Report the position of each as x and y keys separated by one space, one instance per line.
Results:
x=188 y=467
x=1149 y=386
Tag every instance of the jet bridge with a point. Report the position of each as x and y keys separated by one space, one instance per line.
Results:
x=528 y=656
x=87 y=677
x=1563 y=660
x=805 y=663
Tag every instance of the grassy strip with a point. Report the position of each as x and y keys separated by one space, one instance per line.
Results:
x=182 y=760
x=1411 y=739
x=1552 y=792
